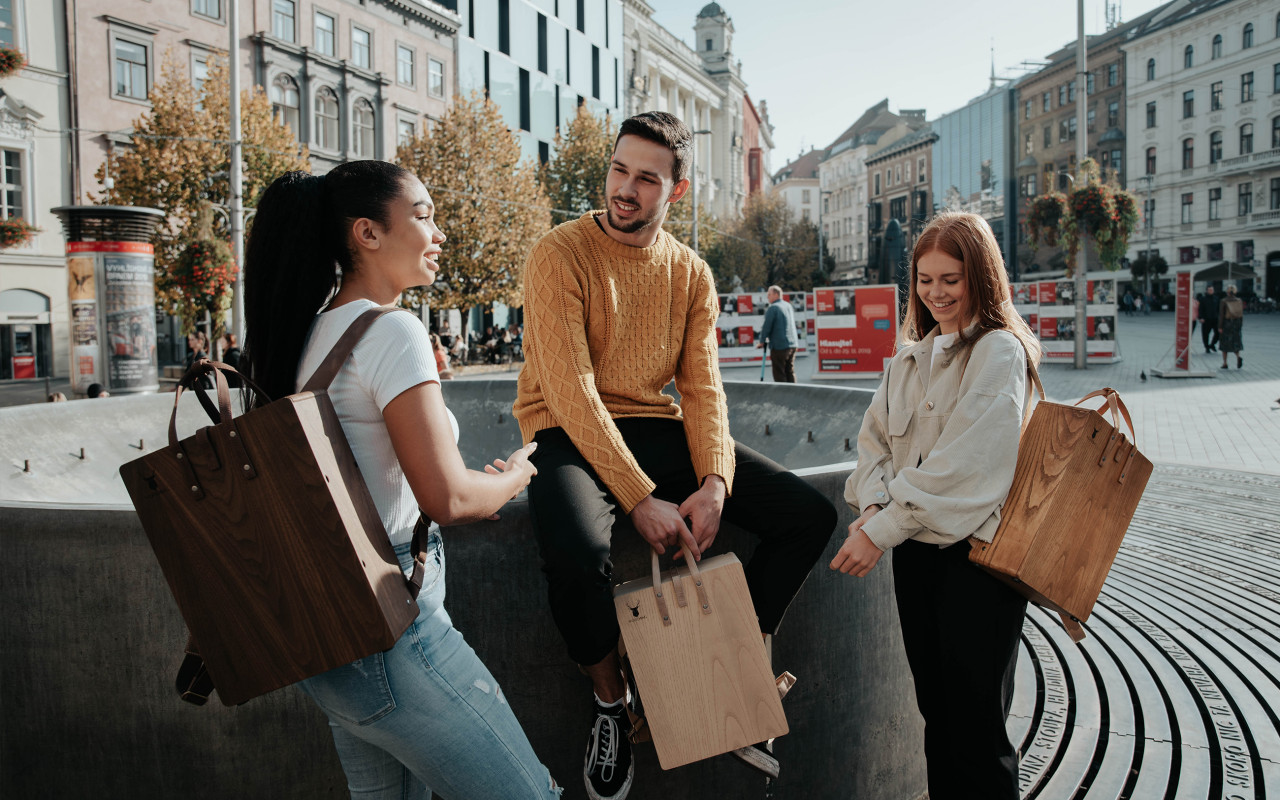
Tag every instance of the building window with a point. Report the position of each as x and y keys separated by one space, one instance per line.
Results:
x=920 y=171
x=435 y=77
x=404 y=132
x=876 y=188
x=1275 y=194
x=1246 y=87
x=205 y=8
x=582 y=16
x=1275 y=79
x=326 y=119
x=1071 y=92
x=1275 y=133
x=362 y=128
x=1091 y=120
x=1088 y=84
x=595 y=72
x=1062 y=130
x=542 y=44
x=1113 y=114
x=1188 y=153
x=11 y=194
x=1246 y=138
x=525 y=123
x=1151 y=69
x=1151 y=161
x=1216 y=50
x=404 y=65
x=1188 y=57
x=504 y=26
x=1188 y=104
x=131 y=69
x=1186 y=208
x=1215 y=147
x=1215 y=96
x=1151 y=115
x=1045 y=102
x=1062 y=96
x=199 y=69
x=325 y=26
x=805 y=196
x=1071 y=127
x=1048 y=135
x=1026 y=110
x=1027 y=147
x=1113 y=74
x=1244 y=195
x=1246 y=40
x=283 y=14
x=1215 y=203
x=360 y=47
x=1117 y=161
x=284 y=101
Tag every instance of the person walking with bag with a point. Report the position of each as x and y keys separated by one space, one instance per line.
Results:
x=1230 y=321
x=425 y=715
x=936 y=458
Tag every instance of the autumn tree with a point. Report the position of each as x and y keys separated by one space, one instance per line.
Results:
x=489 y=204
x=574 y=178
x=768 y=246
x=180 y=160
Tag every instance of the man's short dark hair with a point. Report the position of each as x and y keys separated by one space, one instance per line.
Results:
x=667 y=130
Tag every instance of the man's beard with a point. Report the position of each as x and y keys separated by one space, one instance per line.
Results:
x=637 y=224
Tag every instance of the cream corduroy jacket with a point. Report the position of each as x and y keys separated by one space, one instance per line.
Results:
x=939 y=443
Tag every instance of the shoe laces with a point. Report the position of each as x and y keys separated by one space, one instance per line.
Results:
x=604 y=757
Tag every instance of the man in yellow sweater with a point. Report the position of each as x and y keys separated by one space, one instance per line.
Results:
x=615 y=308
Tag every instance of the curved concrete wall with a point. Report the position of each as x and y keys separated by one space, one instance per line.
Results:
x=92 y=636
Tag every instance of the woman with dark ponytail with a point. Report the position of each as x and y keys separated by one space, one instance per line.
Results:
x=425 y=715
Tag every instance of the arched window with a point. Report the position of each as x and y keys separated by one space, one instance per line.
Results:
x=23 y=301
x=326 y=134
x=1188 y=57
x=1246 y=138
x=362 y=128
x=1246 y=40
x=284 y=101
x=1151 y=161
x=1216 y=51
x=1188 y=153
x=1215 y=147
x=1151 y=68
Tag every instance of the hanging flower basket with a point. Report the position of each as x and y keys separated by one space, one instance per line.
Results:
x=1044 y=217
x=15 y=232
x=11 y=60
x=204 y=274
x=1092 y=204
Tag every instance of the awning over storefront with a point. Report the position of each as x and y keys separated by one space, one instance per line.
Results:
x=1226 y=271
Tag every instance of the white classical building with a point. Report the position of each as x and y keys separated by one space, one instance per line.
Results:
x=1204 y=138
x=843 y=182
x=34 y=151
x=704 y=87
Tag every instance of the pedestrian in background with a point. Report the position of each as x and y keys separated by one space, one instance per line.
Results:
x=1230 y=321
x=936 y=458
x=778 y=335
x=1208 y=316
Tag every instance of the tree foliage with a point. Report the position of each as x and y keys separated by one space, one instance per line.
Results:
x=489 y=204
x=767 y=246
x=574 y=178
x=181 y=159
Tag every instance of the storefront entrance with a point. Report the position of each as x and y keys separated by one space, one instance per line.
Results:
x=26 y=336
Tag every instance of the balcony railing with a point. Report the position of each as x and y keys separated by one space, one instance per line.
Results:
x=1246 y=162
x=1268 y=219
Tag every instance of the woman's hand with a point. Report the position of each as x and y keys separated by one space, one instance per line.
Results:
x=517 y=463
x=858 y=555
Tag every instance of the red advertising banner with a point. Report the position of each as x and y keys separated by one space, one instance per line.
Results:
x=1182 y=322
x=24 y=366
x=856 y=329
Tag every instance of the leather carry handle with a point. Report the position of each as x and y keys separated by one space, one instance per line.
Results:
x=698 y=585
x=1116 y=405
x=220 y=414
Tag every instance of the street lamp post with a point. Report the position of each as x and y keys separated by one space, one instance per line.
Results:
x=693 y=184
x=1082 y=150
x=236 y=200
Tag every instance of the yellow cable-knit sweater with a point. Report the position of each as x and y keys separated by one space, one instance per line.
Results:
x=607 y=326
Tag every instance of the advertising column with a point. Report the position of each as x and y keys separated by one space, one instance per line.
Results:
x=111 y=291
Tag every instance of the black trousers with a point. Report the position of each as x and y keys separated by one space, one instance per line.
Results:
x=961 y=629
x=575 y=515
x=784 y=365
x=1209 y=330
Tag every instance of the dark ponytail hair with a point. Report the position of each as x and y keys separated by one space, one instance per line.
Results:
x=296 y=253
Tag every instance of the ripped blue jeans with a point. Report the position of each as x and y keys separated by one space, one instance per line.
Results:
x=427 y=714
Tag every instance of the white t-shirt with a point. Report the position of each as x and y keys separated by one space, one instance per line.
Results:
x=940 y=341
x=394 y=355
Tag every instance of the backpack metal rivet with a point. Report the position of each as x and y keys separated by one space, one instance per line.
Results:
x=232 y=434
x=246 y=468
x=195 y=488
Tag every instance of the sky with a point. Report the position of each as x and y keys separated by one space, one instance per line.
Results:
x=821 y=63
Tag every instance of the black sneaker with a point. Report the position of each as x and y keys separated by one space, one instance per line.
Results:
x=758 y=756
x=607 y=769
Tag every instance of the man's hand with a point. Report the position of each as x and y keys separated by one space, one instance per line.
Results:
x=702 y=509
x=661 y=524
x=858 y=555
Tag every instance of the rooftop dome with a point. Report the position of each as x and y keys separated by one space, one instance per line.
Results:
x=711 y=10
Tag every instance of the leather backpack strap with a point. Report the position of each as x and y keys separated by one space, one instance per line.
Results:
x=328 y=369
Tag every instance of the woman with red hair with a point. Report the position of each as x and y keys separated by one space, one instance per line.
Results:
x=936 y=457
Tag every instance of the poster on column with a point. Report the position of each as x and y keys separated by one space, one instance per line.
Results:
x=1049 y=308
x=111 y=290
x=855 y=328
x=741 y=318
